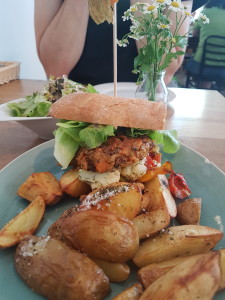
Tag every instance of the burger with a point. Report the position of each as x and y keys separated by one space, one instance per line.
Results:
x=110 y=139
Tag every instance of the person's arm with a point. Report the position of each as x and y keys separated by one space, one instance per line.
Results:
x=60 y=29
x=176 y=63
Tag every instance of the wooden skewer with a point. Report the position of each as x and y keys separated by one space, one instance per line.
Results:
x=115 y=48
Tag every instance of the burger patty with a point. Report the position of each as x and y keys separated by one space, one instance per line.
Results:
x=119 y=151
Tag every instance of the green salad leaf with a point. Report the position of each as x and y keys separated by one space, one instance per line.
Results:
x=91 y=89
x=34 y=106
x=94 y=135
x=39 y=103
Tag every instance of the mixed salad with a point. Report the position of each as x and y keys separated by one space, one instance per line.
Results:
x=38 y=104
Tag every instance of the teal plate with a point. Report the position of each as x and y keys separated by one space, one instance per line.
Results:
x=206 y=181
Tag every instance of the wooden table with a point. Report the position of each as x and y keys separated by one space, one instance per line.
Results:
x=197 y=115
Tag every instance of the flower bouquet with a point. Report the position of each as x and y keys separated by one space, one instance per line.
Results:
x=151 y=25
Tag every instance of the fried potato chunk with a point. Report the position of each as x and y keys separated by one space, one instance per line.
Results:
x=131 y=293
x=58 y=272
x=55 y=231
x=122 y=198
x=177 y=241
x=157 y=192
x=42 y=183
x=101 y=234
x=26 y=222
x=152 y=222
x=71 y=184
x=189 y=211
x=196 y=278
x=116 y=272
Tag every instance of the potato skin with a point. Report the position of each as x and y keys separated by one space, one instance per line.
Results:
x=55 y=231
x=101 y=234
x=58 y=272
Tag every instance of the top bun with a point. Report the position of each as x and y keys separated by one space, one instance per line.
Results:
x=108 y=110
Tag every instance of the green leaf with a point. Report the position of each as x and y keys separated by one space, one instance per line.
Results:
x=65 y=147
x=90 y=89
x=94 y=135
x=35 y=105
x=167 y=138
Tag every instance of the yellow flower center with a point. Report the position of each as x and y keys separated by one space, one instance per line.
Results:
x=160 y=1
x=151 y=7
x=163 y=26
x=133 y=9
x=175 y=4
x=187 y=13
x=174 y=40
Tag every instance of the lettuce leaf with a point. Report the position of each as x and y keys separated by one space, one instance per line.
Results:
x=35 y=105
x=38 y=104
x=91 y=89
x=94 y=135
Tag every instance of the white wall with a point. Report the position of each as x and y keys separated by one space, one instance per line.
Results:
x=17 y=41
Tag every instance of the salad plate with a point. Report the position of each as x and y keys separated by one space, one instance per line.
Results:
x=124 y=89
x=42 y=126
x=32 y=111
x=205 y=180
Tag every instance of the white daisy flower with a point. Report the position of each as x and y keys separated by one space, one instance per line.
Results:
x=176 y=6
x=163 y=26
x=203 y=18
x=162 y=2
x=149 y=9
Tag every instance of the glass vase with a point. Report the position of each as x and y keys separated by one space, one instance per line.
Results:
x=152 y=88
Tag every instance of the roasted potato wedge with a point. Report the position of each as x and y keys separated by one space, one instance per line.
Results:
x=71 y=184
x=116 y=272
x=159 y=195
x=44 y=184
x=150 y=223
x=132 y=293
x=26 y=222
x=148 y=274
x=121 y=198
x=163 y=169
x=58 y=272
x=101 y=234
x=175 y=242
x=189 y=211
x=196 y=278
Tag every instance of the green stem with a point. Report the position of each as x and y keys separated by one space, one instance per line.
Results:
x=151 y=82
